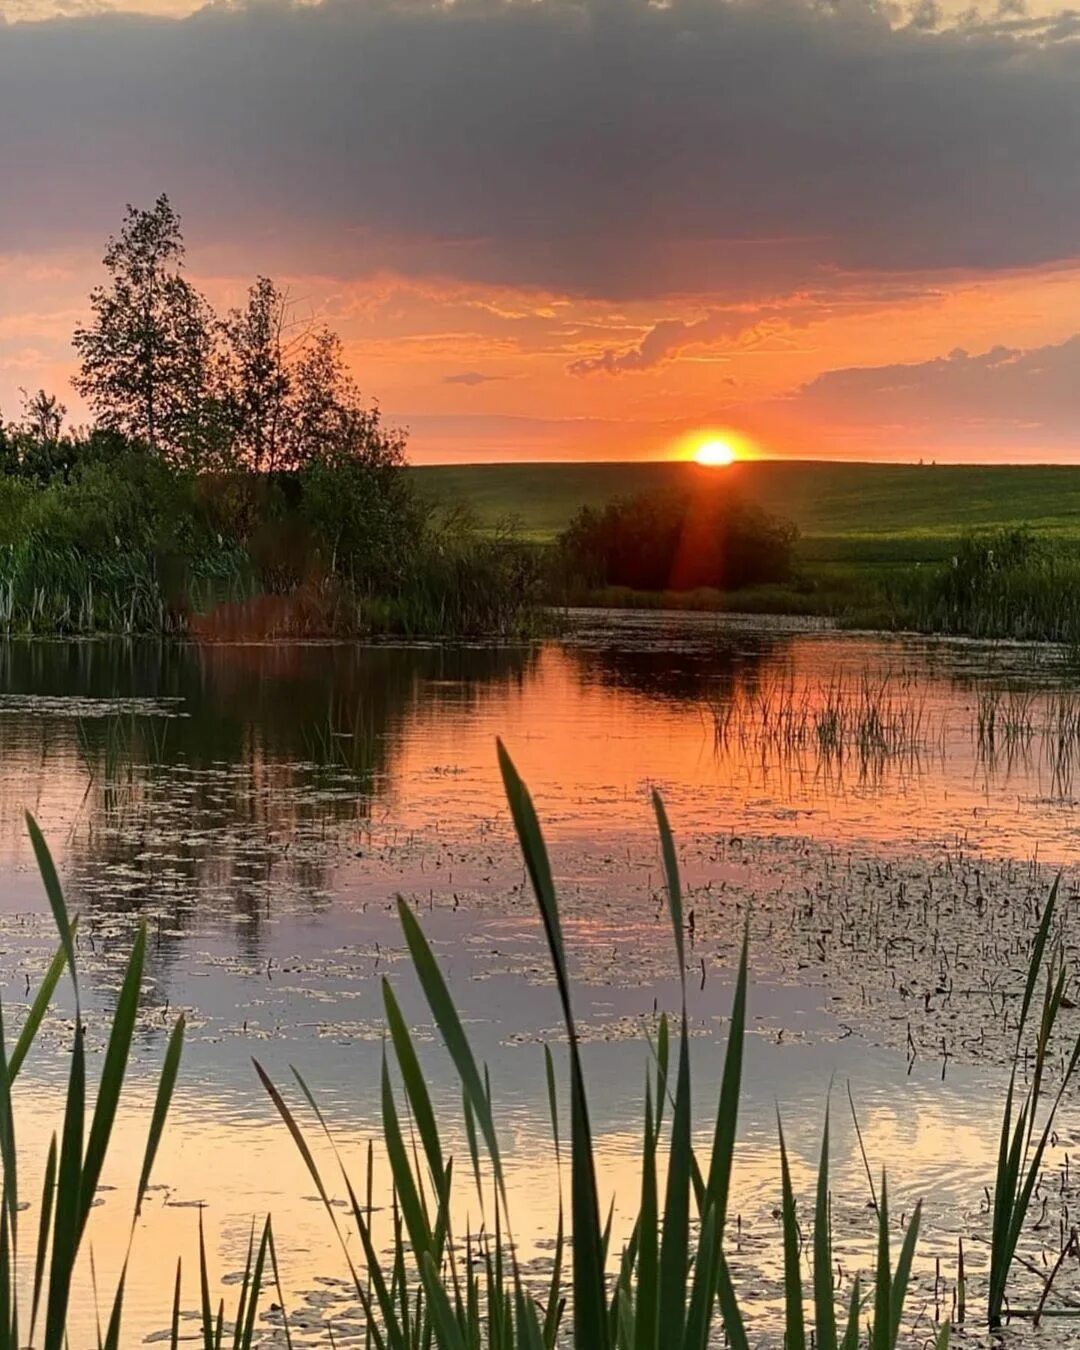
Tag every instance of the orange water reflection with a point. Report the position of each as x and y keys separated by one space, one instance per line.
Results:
x=262 y=809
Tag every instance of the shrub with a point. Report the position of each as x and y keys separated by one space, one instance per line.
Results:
x=678 y=541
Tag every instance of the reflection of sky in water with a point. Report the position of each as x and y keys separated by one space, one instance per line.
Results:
x=261 y=807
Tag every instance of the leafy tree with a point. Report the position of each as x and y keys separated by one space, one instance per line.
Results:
x=254 y=379
x=329 y=423
x=43 y=416
x=36 y=447
x=146 y=355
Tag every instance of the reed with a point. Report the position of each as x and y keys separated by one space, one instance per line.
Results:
x=433 y=1288
x=865 y=720
x=670 y=1286
x=76 y=1155
x=1020 y=1152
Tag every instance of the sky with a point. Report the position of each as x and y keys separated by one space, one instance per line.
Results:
x=585 y=229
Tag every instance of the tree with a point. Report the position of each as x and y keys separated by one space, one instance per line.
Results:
x=254 y=380
x=43 y=416
x=329 y=423
x=36 y=447
x=146 y=355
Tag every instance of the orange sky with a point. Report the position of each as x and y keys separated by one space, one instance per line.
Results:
x=872 y=255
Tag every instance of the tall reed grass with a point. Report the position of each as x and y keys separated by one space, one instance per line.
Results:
x=1003 y=584
x=668 y=1287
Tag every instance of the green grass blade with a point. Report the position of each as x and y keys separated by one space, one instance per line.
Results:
x=384 y=1295
x=449 y=1332
x=880 y=1339
x=55 y=896
x=553 y=1102
x=174 y=1326
x=553 y=1314
x=117 y=1054
x=902 y=1274
x=795 y=1338
x=404 y=1182
x=415 y=1087
x=675 y=1240
x=38 y=1009
x=450 y=1027
x=824 y=1303
x=247 y=1340
x=851 y=1331
x=663 y=1065
x=67 y=1209
x=245 y=1283
x=590 y=1303
x=209 y=1339
x=112 y=1334
x=647 y=1311
x=674 y=885
x=727 y=1115
x=277 y=1286
x=703 y=1291
x=1037 y=953
x=729 y=1307
x=8 y=1151
x=44 y=1219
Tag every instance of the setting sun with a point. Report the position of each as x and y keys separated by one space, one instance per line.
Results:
x=715 y=453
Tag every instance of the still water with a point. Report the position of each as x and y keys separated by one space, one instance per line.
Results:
x=888 y=812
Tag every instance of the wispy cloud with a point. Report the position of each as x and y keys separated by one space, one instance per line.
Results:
x=471 y=378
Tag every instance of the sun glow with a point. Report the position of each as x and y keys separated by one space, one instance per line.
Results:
x=716 y=453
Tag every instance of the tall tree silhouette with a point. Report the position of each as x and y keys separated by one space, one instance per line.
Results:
x=146 y=355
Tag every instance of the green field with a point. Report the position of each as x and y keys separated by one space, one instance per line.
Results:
x=865 y=513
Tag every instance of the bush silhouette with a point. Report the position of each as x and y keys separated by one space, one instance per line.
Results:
x=677 y=540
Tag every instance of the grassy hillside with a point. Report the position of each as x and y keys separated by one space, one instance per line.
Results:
x=870 y=513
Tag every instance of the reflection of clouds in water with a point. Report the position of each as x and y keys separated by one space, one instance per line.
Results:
x=266 y=832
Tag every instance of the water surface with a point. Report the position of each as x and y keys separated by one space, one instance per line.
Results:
x=261 y=807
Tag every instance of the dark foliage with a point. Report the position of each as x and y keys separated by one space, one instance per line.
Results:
x=673 y=540
x=234 y=465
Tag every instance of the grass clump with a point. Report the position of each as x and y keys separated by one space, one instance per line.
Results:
x=1006 y=583
x=670 y=1286
x=76 y=1156
x=1020 y=1151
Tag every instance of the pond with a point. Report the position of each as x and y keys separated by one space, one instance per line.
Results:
x=888 y=812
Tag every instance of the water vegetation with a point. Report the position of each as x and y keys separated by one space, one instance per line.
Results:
x=668 y=1284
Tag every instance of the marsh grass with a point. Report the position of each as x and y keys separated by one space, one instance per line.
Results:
x=865 y=721
x=1020 y=1151
x=1019 y=725
x=670 y=1286
x=76 y=1154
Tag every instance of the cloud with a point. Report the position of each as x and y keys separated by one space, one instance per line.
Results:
x=669 y=337
x=1028 y=394
x=589 y=148
x=471 y=378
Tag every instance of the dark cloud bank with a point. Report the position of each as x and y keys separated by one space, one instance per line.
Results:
x=1022 y=393
x=610 y=147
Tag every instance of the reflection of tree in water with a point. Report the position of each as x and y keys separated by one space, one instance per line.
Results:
x=234 y=801
x=712 y=670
